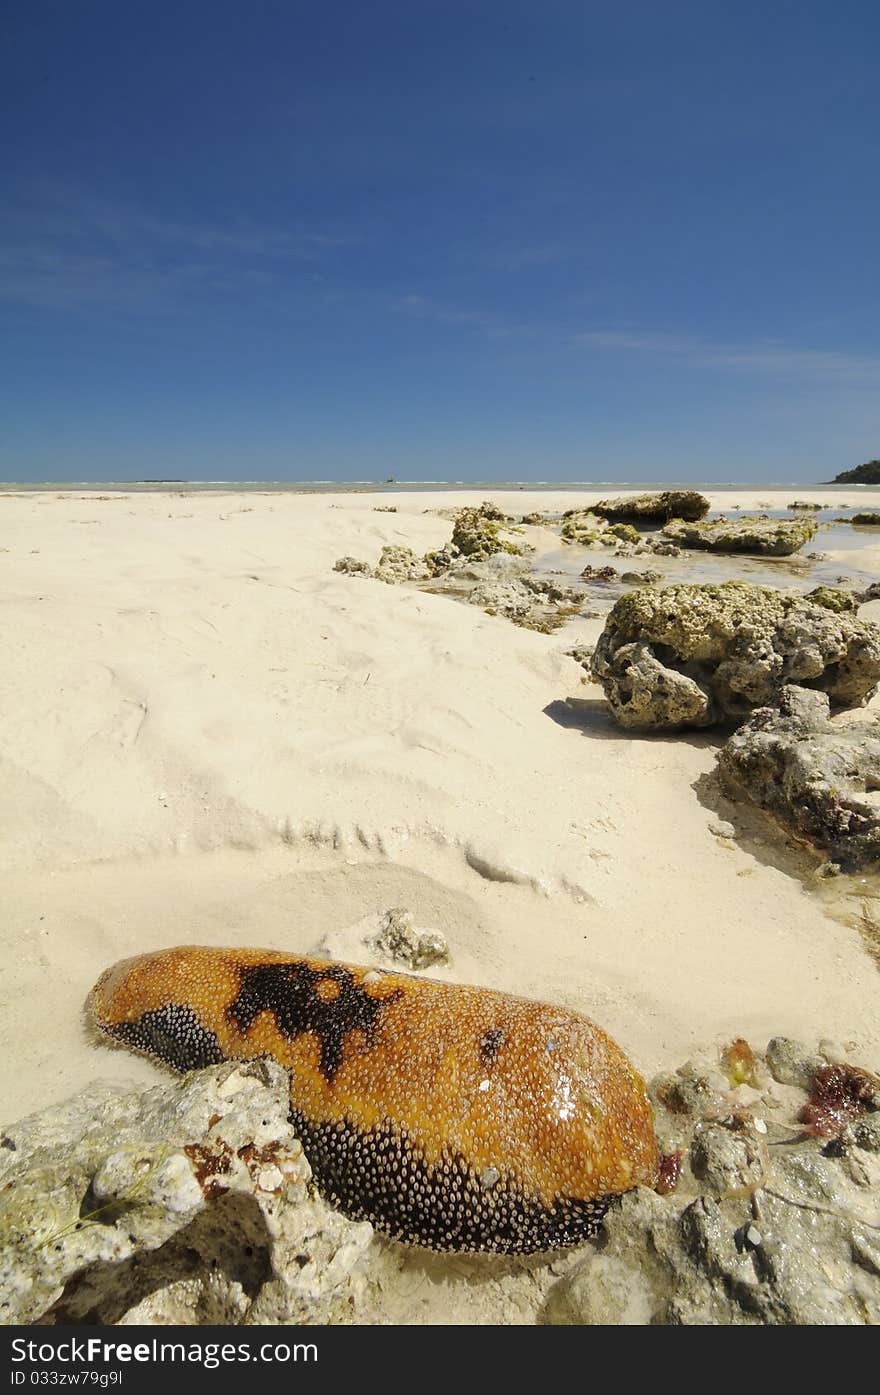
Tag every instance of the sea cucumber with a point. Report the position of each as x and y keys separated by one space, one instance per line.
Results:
x=452 y=1117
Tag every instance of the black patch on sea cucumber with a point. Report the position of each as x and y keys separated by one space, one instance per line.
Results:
x=174 y=1033
x=288 y=991
x=490 y=1044
x=382 y=1177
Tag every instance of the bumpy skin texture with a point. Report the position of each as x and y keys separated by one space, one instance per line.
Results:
x=671 y=503
x=689 y=656
x=769 y=537
x=449 y=1116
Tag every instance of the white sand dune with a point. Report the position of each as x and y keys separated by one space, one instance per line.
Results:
x=209 y=736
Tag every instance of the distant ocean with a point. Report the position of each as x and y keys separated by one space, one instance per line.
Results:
x=388 y=486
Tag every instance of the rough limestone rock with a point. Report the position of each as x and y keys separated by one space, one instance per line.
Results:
x=475 y=537
x=398 y=564
x=641 y=578
x=399 y=941
x=660 y=547
x=866 y=520
x=189 y=1202
x=584 y=526
x=646 y=693
x=690 y=656
x=821 y=780
x=476 y=532
x=769 y=537
x=650 y=508
x=582 y=654
x=502 y=585
x=804 y=504
x=395 y=564
x=352 y=566
x=832 y=598
x=533 y=602
x=502 y=566
x=773 y=1220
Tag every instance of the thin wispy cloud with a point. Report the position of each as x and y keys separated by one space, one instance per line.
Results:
x=772 y=358
x=121 y=224
x=521 y=258
x=424 y=308
x=766 y=358
x=61 y=249
x=482 y=321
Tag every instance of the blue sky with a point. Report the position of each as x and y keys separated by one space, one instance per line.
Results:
x=483 y=240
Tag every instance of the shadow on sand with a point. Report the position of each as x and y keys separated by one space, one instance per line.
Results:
x=592 y=717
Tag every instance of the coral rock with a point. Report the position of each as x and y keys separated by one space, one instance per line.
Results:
x=671 y=503
x=690 y=656
x=772 y=537
x=817 y=777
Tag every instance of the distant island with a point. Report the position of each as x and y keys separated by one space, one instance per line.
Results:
x=869 y=473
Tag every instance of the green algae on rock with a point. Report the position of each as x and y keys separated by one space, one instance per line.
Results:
x=691 y=656
x=585 y=527
x=833 y=598
x=475 y=532
x=767 y=537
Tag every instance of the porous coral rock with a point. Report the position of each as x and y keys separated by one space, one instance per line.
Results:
x=771 y=537
x=190 y=1202
x=475 y=532
x=766 y=1225
x=352 y=566
x=660 y=507
x=819 y=778
x=681 y=656
x=401 y=564
x=832 y=598
x=641 y=578
x=399 y=941
x=586 y=527
x=178 y=1203
x=537 y=603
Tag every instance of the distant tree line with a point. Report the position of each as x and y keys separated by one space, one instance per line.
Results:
x=869 y=473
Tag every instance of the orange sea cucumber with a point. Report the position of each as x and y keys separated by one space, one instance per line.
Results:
x=452 y=1117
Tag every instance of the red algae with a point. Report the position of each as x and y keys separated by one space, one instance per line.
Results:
x=839 y=1094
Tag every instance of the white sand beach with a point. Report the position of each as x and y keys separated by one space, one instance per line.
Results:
x=209 y=736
